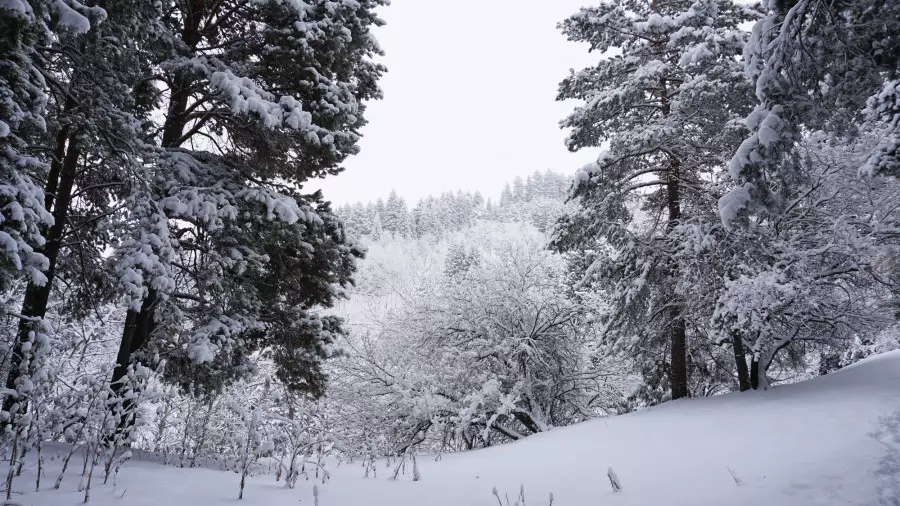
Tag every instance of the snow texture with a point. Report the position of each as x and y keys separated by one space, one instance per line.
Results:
x=71 y=18
x=829 y=441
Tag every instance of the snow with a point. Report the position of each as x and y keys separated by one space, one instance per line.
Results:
x=770 y=129
x=71 y=18
x=247 y=97
x=732 y=202
x=16 y=6
x=829 y=441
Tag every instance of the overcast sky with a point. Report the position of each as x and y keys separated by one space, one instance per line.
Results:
x=469 y=99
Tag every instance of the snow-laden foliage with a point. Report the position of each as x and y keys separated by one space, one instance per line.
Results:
x=665 y=100
x=822 y=270
x=694 y=296
x=221 y=251
x=487 y=349
x=153 y=163
x=815 y=234
x=22 y=105
x=171 y=288
x=829 y=67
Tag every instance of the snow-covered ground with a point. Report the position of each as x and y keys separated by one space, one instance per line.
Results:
x=829 y=441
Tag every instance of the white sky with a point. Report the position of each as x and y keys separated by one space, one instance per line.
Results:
x=469 y=99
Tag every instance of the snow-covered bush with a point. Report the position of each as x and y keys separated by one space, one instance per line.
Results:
x=492 y=350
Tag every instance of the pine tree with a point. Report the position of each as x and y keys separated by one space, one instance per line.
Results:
x=506 y=196
x=275 y=91
x=91 y=126
x=667 y=106
x=815 y=67
x=396 y=215
x=518 y=189
x=825 y=78
x=23 y=99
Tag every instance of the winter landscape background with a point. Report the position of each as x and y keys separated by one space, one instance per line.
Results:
x=706 y=313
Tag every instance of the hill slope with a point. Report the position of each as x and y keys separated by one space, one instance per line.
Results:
x=833 y=440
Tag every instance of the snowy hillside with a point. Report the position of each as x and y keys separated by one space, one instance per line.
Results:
x=832 y=440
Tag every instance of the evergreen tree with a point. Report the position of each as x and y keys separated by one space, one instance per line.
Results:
x=668 y=106
x=459 y=260
x=89 y=127
x=815 y=67
x=518 y=190
x=506 y=196
x=22 y=102
x=396 y=215
x=825 y=78
x=275 y=91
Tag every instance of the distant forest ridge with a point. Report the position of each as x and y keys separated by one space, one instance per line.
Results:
x=537 y=199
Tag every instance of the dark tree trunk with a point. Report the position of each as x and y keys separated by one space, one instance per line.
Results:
x=133 y=337
x=758 y=368
x=526 y=420
x=740 y=362
x=754 y=373
x=678 y=376
x=59 y=186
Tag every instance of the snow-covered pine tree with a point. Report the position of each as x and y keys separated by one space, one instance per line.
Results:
x=815 y=67
x=667 y=107
x=825 y=77
x=800 y=284
x=396 y=215
x=22 y=102
x=22 y=214
x=93 y=127
x=506 y=196
x=259 y=98
x=268 y=302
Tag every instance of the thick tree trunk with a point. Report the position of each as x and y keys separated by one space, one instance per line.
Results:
x=59 y=186
x=138 y=327
x=740 y=362
x=761 y=363
x=678 y=375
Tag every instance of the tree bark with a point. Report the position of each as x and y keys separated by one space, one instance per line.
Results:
x=678 y=374
x=761 y=363
x=740 y=362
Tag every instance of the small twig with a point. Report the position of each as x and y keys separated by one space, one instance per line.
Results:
x=737 y=481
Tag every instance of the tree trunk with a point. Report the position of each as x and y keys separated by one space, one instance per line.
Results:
x=761 y=363
x=740 y=362
x=138 y=326
x=678 y=375
x=34 y=304
x=754 y=373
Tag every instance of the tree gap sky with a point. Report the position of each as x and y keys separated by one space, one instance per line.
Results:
x=469 y=99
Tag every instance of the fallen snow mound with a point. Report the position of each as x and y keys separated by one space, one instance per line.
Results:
x=833 y=440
